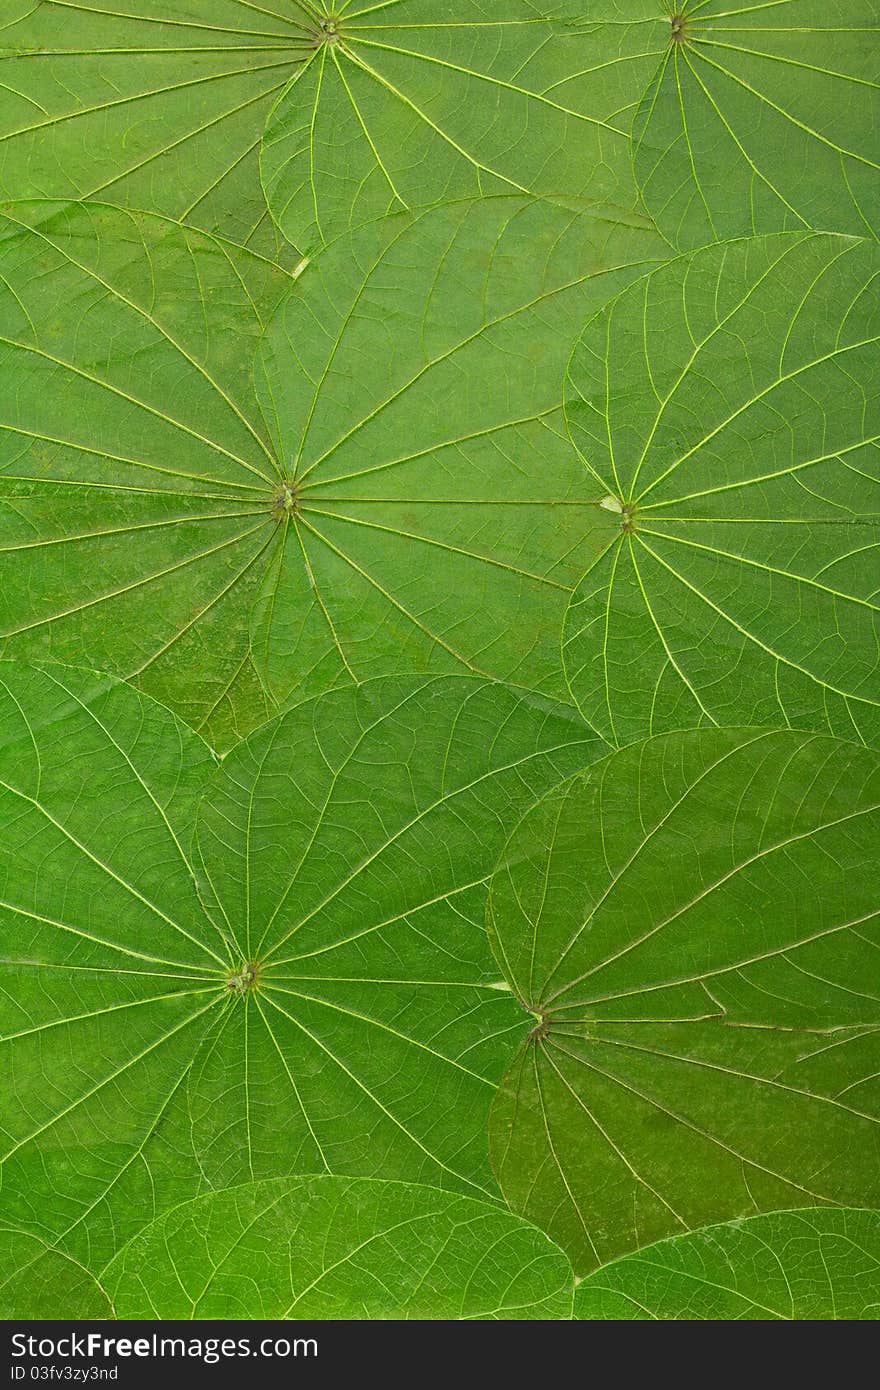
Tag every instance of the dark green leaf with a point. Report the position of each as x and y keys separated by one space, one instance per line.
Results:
x=412 y=382
x=37 y=1281
x=398 y=520
x=135 y=479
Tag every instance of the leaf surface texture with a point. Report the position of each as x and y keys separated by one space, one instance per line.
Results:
x=351 y=1250
x=693 y=922
x=729 y=403
x=217 y=975
x=820 y=1264
x=763 y=118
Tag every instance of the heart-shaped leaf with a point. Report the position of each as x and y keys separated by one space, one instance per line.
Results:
x=136 y=481
x=154 y=106
x=822 y=1263
x=337 y=1248
x=335 y=1007
x=763 y=118
x=729 y=405
x=438 y=516
x=694 y=923
x=419 y=101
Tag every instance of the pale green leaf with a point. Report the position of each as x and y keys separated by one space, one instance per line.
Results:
x=411 y=102
x=694 y=924
x=313 y=991
x=820 y=1264
x=728 y=406
x=763 y=118
x=337 y=1248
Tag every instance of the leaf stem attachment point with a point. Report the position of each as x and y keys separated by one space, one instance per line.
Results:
x=328 y=31
x=245 y=979
x=541 y=1028
x=285 y=501
x=625 y=510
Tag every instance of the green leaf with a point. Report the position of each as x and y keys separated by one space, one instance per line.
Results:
x=150 y=104
x=404 y=105
x=819 y=1264
x=346 y=848
x=729 y=407
x=109 y=963
x=763 y=118
x=694 y=924
x=336 y=1248
x=39 y=1282
x=395 y=521
x=438 y=516
x=136 y=481
x=312 y=990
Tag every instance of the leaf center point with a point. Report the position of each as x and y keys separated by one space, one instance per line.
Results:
x=245 y=979
x=328 y=31
x=285 y=501
x=542 y=1020
x=680 y=28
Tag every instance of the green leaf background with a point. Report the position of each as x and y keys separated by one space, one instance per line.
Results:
x=439 y=785
x=38 y=1281
x=431 y=100
x=143 y=487
x=154 y=106
x=411 y=387
x=136 y=476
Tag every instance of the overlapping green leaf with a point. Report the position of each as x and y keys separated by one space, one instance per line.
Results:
x=728 y=406
x=110 y=965
x=37 y=1281
x=136 y=480
x=694 y=922
x=334 y=1007
x=763 y=118
x=439 y=517
x=337 y=1248
x=419 y=506
x=157 y=105
x=821 y=1263
x=411 y=102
